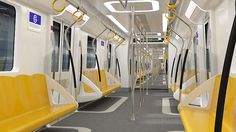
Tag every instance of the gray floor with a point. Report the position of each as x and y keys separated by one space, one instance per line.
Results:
x=158 y=83
x=149 y=118
x=99 y=105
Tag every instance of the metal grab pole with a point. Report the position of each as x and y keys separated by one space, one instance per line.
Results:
x=96 y=57
x=132 y=69
x=186 y=53
x=117 y=62
x=176 y=52
x=179 y=57
x=81 y=68
x=185 y=56
x=70 y=55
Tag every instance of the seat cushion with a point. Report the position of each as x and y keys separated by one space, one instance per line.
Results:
x=197 y=120
x=110 y=89
x=33 y=120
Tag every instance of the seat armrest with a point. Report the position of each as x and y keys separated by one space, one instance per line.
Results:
x=204 y=87
x=53 y=85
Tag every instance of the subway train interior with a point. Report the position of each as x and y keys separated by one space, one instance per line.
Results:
x=117 y=66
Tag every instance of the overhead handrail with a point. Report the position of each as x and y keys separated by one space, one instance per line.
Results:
x=58 y=9
x=225 y=78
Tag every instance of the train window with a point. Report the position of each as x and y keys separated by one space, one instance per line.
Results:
x=91 y=62
x=66 y=59
x=7 y=36
x=56 y=46
x=109 y=56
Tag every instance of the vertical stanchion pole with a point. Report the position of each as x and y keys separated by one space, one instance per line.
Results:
x=132 y=64
x=148 y=59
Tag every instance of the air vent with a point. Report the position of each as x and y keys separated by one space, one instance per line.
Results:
x=151 y=40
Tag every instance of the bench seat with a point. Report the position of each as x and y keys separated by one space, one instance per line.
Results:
x=197 y=119
x=32 y=120
x=26 y=103
x=106 y=87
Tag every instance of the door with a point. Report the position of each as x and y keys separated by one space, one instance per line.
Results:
x=60 y=67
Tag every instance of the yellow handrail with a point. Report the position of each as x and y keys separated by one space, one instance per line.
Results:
x=173 y=6
x=110 y=35
x=80 y=18
x=121 y=42
x=171 y=17
x=115 y=39
x=58 y=9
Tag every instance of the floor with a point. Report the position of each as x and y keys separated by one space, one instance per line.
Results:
x=149 y=117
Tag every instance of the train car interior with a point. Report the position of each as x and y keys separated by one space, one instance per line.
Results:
x=117 y=66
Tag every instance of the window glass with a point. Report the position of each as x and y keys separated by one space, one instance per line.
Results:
x=91 y=61
x=56 y=46
x=66 y=59
x=109 y=56
x=7 y=36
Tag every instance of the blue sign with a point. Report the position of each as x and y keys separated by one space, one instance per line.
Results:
x=35 y=18
x=102 y=43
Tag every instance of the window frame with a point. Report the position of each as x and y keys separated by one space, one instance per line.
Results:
x=8 y=5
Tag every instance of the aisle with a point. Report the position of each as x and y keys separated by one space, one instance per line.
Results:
x=149 y=118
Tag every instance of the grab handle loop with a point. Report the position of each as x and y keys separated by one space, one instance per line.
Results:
x=58 y=9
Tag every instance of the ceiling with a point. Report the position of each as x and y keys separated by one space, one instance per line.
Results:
x=151 y=21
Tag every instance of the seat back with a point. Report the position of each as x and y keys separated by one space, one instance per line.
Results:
x=22 y=94
x=93 y=76
x=214 y=94
x=230 y=102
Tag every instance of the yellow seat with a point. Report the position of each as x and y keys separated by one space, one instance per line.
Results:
x=203 y=119
x=106 y=88
x=25 y=104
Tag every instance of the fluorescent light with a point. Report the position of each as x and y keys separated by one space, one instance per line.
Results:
x=71 y=9
x=158 y=34
x=164 y=22
x=177 y=37
x=155 y=6
x=85 y=19
x=117 y=23
x=191 y=7
x=116 y=37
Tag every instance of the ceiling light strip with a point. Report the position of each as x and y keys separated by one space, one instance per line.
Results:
x=117 y=23
x=155 y=6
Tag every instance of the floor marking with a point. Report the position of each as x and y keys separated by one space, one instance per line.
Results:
x=109 y=110
x=166 y=107
x=80 y=129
